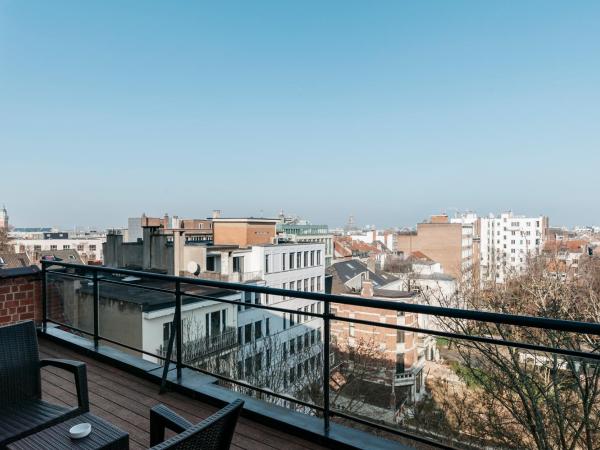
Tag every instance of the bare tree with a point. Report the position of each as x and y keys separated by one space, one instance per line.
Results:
x=514 y=398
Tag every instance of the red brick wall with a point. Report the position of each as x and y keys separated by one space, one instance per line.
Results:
x=20 y=299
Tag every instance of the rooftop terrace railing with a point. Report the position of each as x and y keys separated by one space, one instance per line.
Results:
x=98 y=276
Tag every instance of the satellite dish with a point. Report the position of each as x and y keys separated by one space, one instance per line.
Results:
x=193 y=267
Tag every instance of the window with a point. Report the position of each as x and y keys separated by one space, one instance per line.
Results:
x=258 y=362
x=305 y=259
x=53 y=247
x=210 y=263
x=312 y=258
x=400 y=337
x=299 y=370
x=248 y=299
x=292 y=315
x=268 y=362
x=299 y=343
x=284 y=320
x=298 y=260
x=292 y=375
x=312 y=337
x=319 y=283
x=238 y=264
x=299 y=285
x=312 y=284
x=167 y=332
x=240 y=336
x=399 y=363
x=319 y=334
x=318 y=257
x=248 y=333
x=79 y=247
x=38 y=248
x=306 y=316
x=267 y=326
x=283 y=261
x=292 y=260
x=292 y=285
x=306 y=285
x=66 y=247
x=292 y=347
x=92 y=248
x=257 y=298
x=306 y=339
x=299 y=320
x=312 y=307
x=215 y=323
x=266 y=263
x=258 y=329
x=248 y=364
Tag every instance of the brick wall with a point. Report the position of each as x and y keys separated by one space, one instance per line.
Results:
x=20 y=299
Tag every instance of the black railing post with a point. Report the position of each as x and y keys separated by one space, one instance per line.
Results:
x=96 y=310
x=326 y=368
x=44 y=299
x=177 y=323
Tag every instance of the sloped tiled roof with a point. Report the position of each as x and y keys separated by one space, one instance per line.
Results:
x=14 y=260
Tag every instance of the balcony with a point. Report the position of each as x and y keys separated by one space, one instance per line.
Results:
x=196 y=350
x=312 y=405
x=234 y=277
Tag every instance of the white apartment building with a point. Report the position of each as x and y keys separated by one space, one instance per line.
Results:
x=507 y=242
x=294 y=334
x=88 y=247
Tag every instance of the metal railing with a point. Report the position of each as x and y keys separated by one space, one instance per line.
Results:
x=92 y=273
x=199 y=348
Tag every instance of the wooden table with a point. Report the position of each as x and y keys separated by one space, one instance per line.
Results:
x=103 y=436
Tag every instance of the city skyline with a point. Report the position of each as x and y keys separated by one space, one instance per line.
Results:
x=389 y=114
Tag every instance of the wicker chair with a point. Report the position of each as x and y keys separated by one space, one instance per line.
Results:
x=22 y=410
x=213 y=433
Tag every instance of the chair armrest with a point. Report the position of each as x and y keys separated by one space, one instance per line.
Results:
x=161 y=418
x=79 y=370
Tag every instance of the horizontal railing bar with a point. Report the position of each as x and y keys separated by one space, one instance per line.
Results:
x=69 y=274
x=79 y=330
x=482 y=316
x=254 y=305
x=482 y=339
x=391 y=430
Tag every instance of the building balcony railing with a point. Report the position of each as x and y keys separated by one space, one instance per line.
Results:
x=196 y=350
x=326 y=405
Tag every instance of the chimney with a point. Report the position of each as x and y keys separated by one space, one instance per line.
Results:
x=366 y=289
x=216 y=213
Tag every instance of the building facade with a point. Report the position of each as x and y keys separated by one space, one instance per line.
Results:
x=507 y=243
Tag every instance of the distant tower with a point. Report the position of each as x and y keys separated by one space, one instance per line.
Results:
x=350 y=225
x=3 y=218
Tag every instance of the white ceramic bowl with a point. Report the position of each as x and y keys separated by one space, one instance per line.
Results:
x=80 y=430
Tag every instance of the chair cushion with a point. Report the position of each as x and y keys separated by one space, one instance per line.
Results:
x=18 y=420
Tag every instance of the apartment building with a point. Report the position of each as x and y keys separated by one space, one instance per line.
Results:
x=307 y=233
x=243 y=250
x=450 y=244
x=89 y=245
x=397 y=357
x=507 y=242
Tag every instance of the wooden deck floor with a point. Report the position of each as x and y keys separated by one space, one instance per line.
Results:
x=125 y=400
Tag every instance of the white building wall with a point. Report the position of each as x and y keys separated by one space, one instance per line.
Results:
x=86 y=247
x=506 y=244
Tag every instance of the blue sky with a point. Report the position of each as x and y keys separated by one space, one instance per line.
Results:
x=389 y=111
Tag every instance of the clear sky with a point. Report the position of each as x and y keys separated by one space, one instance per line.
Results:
x=389 y=111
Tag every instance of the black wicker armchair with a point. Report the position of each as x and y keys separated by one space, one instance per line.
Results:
x=22 y=410
x=213 y=433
